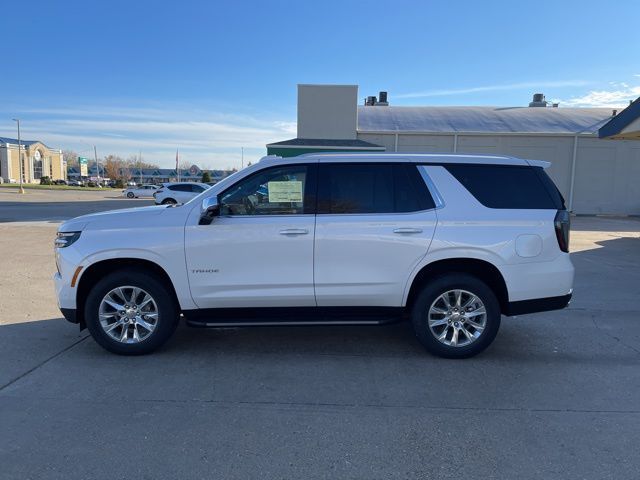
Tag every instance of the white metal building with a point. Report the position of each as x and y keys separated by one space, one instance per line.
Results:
x=596 y=175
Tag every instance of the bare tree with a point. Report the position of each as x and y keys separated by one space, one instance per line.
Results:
x=71 y=157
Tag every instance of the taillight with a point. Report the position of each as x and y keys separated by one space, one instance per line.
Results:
x=562 y=224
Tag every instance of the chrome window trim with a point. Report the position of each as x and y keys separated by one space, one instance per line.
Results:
x=435 y=194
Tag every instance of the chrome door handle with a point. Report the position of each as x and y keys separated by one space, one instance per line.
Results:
x=407 y=230
x=294 y=231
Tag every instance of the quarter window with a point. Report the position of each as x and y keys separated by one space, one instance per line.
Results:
x=371 y=188
x=508 y=186
x=275 y=191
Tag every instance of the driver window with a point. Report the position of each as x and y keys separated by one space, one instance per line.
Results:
x=276 y=191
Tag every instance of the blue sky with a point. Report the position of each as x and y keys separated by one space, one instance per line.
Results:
x=211 y=77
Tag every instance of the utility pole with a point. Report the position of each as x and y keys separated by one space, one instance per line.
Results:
x=17 y=120
x=140 y=165
x=95 y=156
x=241 y=158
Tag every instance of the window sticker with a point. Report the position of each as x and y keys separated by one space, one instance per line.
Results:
x=290 y=191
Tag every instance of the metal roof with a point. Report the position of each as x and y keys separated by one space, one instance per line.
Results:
x=482 y=119
x=14 y=141
x=615 y=127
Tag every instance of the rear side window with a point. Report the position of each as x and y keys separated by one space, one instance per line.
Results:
x=371 y=188
x=180 y=188
x=507 y=186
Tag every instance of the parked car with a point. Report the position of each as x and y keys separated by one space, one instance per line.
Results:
x=178 y=192
x=75 y=183
x=142 y=191
x=60 y=182
x=451 y=242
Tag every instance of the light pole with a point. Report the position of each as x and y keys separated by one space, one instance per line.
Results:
x=17 y=120
x=241 y=158
x=95 y=156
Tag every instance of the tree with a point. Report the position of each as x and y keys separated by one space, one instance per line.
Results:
x=113 y=165
x=71 y=157
x=206 y=177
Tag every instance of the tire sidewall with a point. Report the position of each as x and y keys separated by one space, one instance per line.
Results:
x=130 y=195
x=438 y=286
x=167 y=312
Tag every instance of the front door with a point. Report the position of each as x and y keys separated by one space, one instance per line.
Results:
x=259 y=251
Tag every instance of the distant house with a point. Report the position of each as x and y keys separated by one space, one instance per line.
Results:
x=38 y=160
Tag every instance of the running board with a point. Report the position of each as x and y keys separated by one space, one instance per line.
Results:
x=294 y=316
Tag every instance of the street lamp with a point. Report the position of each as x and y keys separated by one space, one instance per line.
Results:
x=17 y=120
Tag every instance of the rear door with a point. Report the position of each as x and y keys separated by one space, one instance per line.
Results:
x=375 y=223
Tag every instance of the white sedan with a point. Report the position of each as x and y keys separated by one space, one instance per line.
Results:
x=140 y=191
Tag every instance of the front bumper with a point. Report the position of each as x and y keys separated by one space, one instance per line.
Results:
x=70 y=315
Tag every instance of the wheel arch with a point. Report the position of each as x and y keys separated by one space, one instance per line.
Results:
x=101 y=268
x=482 y=269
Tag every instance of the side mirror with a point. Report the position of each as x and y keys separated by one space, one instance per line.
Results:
x=209 y=210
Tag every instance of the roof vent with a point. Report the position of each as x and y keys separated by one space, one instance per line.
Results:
x=614 y=113
x=538 y=100
x=373 y=100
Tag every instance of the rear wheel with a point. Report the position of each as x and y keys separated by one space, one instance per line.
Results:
x=130 y=195
x=456 y=316
x=130 y=313
x=169 y=201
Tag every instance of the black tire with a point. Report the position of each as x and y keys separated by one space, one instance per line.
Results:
x=167 y=309
x=438 y=286
x=169 y=201
x=130 y=195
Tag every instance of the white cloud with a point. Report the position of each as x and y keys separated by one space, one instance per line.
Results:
x=618 y=97
x=493 y=88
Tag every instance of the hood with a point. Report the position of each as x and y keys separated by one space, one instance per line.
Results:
x=122 y=218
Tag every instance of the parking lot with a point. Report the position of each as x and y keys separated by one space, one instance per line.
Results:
x=556 y=396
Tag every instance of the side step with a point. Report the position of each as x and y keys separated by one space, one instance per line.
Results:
x=292 y=316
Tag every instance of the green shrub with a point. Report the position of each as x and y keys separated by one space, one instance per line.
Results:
x=119 y=183
x=206 y=177
x=45 y=181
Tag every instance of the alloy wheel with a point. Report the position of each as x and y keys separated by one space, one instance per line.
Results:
x=457 y=318
x=128 y=314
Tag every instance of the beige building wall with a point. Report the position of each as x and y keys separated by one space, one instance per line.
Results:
x=607 y=172
x=52 y=163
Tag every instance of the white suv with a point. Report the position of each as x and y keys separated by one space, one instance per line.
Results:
x=451 y=241
x=178 y=192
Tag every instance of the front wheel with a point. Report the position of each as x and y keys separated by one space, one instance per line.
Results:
x=130 y=195
x=131 y=313
x=169 y=201
x=456 y=316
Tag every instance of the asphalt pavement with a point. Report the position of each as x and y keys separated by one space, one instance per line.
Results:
x=556 y=396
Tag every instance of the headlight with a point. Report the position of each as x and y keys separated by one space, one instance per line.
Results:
x=64 y=239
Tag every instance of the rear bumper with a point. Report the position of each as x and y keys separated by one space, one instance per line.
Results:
x=537 y=305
